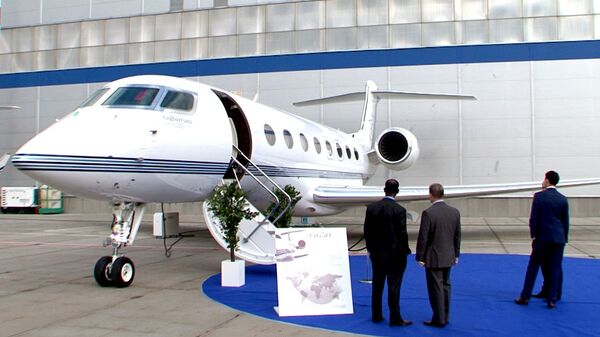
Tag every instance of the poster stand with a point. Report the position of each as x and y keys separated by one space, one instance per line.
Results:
x=313 y=272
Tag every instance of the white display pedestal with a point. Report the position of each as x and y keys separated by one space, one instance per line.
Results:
x=233 y=274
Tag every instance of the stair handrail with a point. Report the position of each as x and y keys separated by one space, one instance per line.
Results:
x=240 y=165
x=277 y=202
x=289 y=199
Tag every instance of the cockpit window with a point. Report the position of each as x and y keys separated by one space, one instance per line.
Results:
x=178 y=100
x=132 y=96
x=94 y=98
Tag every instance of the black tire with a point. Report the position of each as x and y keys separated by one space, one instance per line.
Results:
x=102 y=271
x=122 y=272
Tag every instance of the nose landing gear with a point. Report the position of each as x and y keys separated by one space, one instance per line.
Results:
x=118 y=270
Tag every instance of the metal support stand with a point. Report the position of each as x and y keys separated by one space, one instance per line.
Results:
x=368 y=279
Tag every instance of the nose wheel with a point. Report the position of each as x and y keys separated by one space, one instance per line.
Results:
x=118 y=270
x=122 y=272
x=102 y=272
x=118 y=273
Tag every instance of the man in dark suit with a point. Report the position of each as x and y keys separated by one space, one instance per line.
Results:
x=549 y=230
x=438 y=248
x=387 y=244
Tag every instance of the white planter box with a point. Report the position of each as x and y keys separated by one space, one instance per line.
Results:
x=233 y=274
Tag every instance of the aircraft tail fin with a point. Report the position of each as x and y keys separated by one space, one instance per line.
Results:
x=371 y=97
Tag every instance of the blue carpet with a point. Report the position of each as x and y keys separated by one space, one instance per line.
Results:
x=484 y=287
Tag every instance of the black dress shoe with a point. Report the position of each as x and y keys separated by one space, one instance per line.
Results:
x=541 y=294
x=521 y=301
x=434 y=324
x=377 y=319
x=401 y=323
x=551 y=305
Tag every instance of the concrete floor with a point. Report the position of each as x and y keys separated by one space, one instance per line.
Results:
x=47 y=288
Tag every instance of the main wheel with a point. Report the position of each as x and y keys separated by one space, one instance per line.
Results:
x=102 y=271
x=122 y=272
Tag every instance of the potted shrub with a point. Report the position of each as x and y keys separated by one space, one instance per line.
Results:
x=228 y=205
x=286 y=219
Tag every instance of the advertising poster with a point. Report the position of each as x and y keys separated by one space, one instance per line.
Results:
x=313 y=272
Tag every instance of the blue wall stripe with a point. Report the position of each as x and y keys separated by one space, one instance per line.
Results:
x=562 y=50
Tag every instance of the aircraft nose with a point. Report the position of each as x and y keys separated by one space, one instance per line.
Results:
x=39 y=151
x=31 y=156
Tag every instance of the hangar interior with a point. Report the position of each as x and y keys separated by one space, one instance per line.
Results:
x=532 y=113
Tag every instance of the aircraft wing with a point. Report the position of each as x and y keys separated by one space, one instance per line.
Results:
x=363 y=195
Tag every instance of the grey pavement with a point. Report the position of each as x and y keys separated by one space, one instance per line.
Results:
x=47 y=287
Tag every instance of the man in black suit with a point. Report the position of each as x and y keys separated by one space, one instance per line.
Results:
x=549 y=230
x=387 y=244
x=438 y=248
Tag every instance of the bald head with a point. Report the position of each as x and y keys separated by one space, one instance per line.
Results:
x=391 y=187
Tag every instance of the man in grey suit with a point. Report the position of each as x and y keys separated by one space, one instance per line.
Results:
x=387 y=244
x=438 y=248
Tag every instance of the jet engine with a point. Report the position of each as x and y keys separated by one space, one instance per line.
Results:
x=397 y=148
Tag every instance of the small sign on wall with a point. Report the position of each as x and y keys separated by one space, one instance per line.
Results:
x=313 y=272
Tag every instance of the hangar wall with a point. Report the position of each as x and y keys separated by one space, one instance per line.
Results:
x=533 y=112
x=127 y=37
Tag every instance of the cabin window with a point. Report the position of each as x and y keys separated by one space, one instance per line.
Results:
x=355 y=154
x=329 y=148
x=289 y=141
x=303 y=142
x=339 y=150
x=132 y=96
x=94 y=98
x=270 y=134
x=348 y=153
x=317 y=145
x=178 y=100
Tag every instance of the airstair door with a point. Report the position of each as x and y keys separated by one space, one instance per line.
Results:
x=256 y=236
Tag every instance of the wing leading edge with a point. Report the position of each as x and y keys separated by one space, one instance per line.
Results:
x=349 y=195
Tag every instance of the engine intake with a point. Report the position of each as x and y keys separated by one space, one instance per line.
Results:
x=397 y=148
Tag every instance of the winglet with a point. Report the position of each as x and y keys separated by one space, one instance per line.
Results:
x=4 y=160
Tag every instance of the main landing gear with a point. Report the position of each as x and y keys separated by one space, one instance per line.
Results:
x=118 y=270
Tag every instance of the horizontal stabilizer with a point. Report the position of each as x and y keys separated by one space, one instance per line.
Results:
x=380 y=94
x=364 y=195
x=9 y=107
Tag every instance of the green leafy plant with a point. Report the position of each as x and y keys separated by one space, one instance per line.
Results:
x=286 y=219
x=228 y=205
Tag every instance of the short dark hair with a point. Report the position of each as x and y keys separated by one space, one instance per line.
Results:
x=391 y=186
x=552 y=177
x=436 y=190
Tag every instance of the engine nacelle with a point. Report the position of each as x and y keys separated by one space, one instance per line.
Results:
x=397 y=148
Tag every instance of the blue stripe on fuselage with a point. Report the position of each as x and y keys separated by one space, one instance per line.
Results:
x=39 y=162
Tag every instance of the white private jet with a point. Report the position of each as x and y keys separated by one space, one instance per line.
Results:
x=146 y=139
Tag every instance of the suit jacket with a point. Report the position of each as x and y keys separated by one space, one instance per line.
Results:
x=385 y=229
x=549 y=220
x=438 y=244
